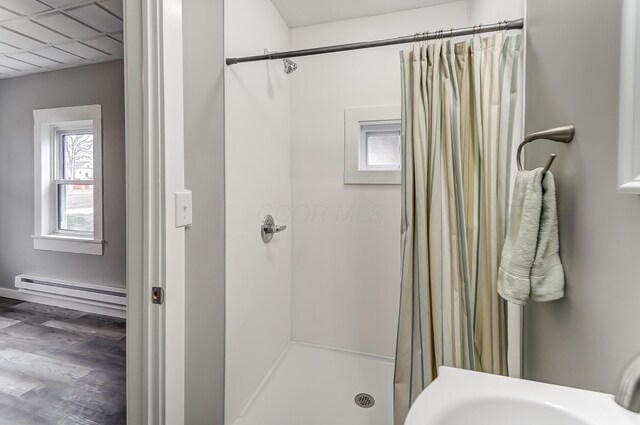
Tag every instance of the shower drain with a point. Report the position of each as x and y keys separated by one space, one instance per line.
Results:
x=364 y=400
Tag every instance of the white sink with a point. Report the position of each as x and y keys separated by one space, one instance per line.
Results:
x=461 y=397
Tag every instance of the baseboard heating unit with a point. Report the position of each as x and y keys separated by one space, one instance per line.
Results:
x=62 y=293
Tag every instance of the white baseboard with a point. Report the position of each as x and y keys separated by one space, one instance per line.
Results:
x=64 y=302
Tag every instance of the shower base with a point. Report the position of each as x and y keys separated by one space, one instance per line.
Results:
x=315 y=385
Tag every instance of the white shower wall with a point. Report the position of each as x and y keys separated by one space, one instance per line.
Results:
x=332 y=278
x=258 y=180
x=346 y=238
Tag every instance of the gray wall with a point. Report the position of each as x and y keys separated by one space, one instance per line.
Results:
x=204 y=164
x=95 y=84
x=572 y=76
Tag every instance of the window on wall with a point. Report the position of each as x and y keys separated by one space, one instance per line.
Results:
x=68 y=173
x=372 y=145
x=380 y=146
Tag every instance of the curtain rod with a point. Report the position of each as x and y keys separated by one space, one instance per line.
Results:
x=424 y=36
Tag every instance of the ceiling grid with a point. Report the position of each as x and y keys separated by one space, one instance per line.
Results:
x=44 y=35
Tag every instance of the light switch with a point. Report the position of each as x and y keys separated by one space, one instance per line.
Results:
x=184 y=209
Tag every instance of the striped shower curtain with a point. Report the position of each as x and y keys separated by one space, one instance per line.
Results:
x=458 y=116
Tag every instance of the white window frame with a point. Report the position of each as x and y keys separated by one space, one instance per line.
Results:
x=48 y=125
x=629 y=118
x=357 y=123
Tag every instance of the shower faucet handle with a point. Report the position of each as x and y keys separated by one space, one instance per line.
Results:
x=278 y=229
x=269 y=228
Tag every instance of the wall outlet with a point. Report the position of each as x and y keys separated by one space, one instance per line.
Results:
x=184 y=209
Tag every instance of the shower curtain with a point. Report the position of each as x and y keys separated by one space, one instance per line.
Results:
x=458 y=116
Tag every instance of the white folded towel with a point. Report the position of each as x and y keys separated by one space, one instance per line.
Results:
x=530 y=266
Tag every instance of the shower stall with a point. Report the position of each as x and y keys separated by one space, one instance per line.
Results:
x=311 y=309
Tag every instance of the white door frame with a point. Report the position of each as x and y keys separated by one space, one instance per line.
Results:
x=155 y=247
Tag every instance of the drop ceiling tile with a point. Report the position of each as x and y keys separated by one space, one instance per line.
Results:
x=36 y=31
x=42 y=35
x=16 y=64
x=17 y=40
x=24 y=7
x=98 y=18
x=107 y=45
x=5 y=48
x=66 y=25
x=8 y=71
x=34 y=59
x=58 y=55
x=81 y=50
x=5 y=15
x=113 y=6
x=63 y=3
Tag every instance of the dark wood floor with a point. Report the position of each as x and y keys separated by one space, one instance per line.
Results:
x=60 y=366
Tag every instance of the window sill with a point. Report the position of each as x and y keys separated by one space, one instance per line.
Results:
x=63 y=243
x=372 y=177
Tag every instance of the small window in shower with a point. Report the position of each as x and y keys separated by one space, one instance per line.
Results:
x=372 y=145
x=380 y=146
